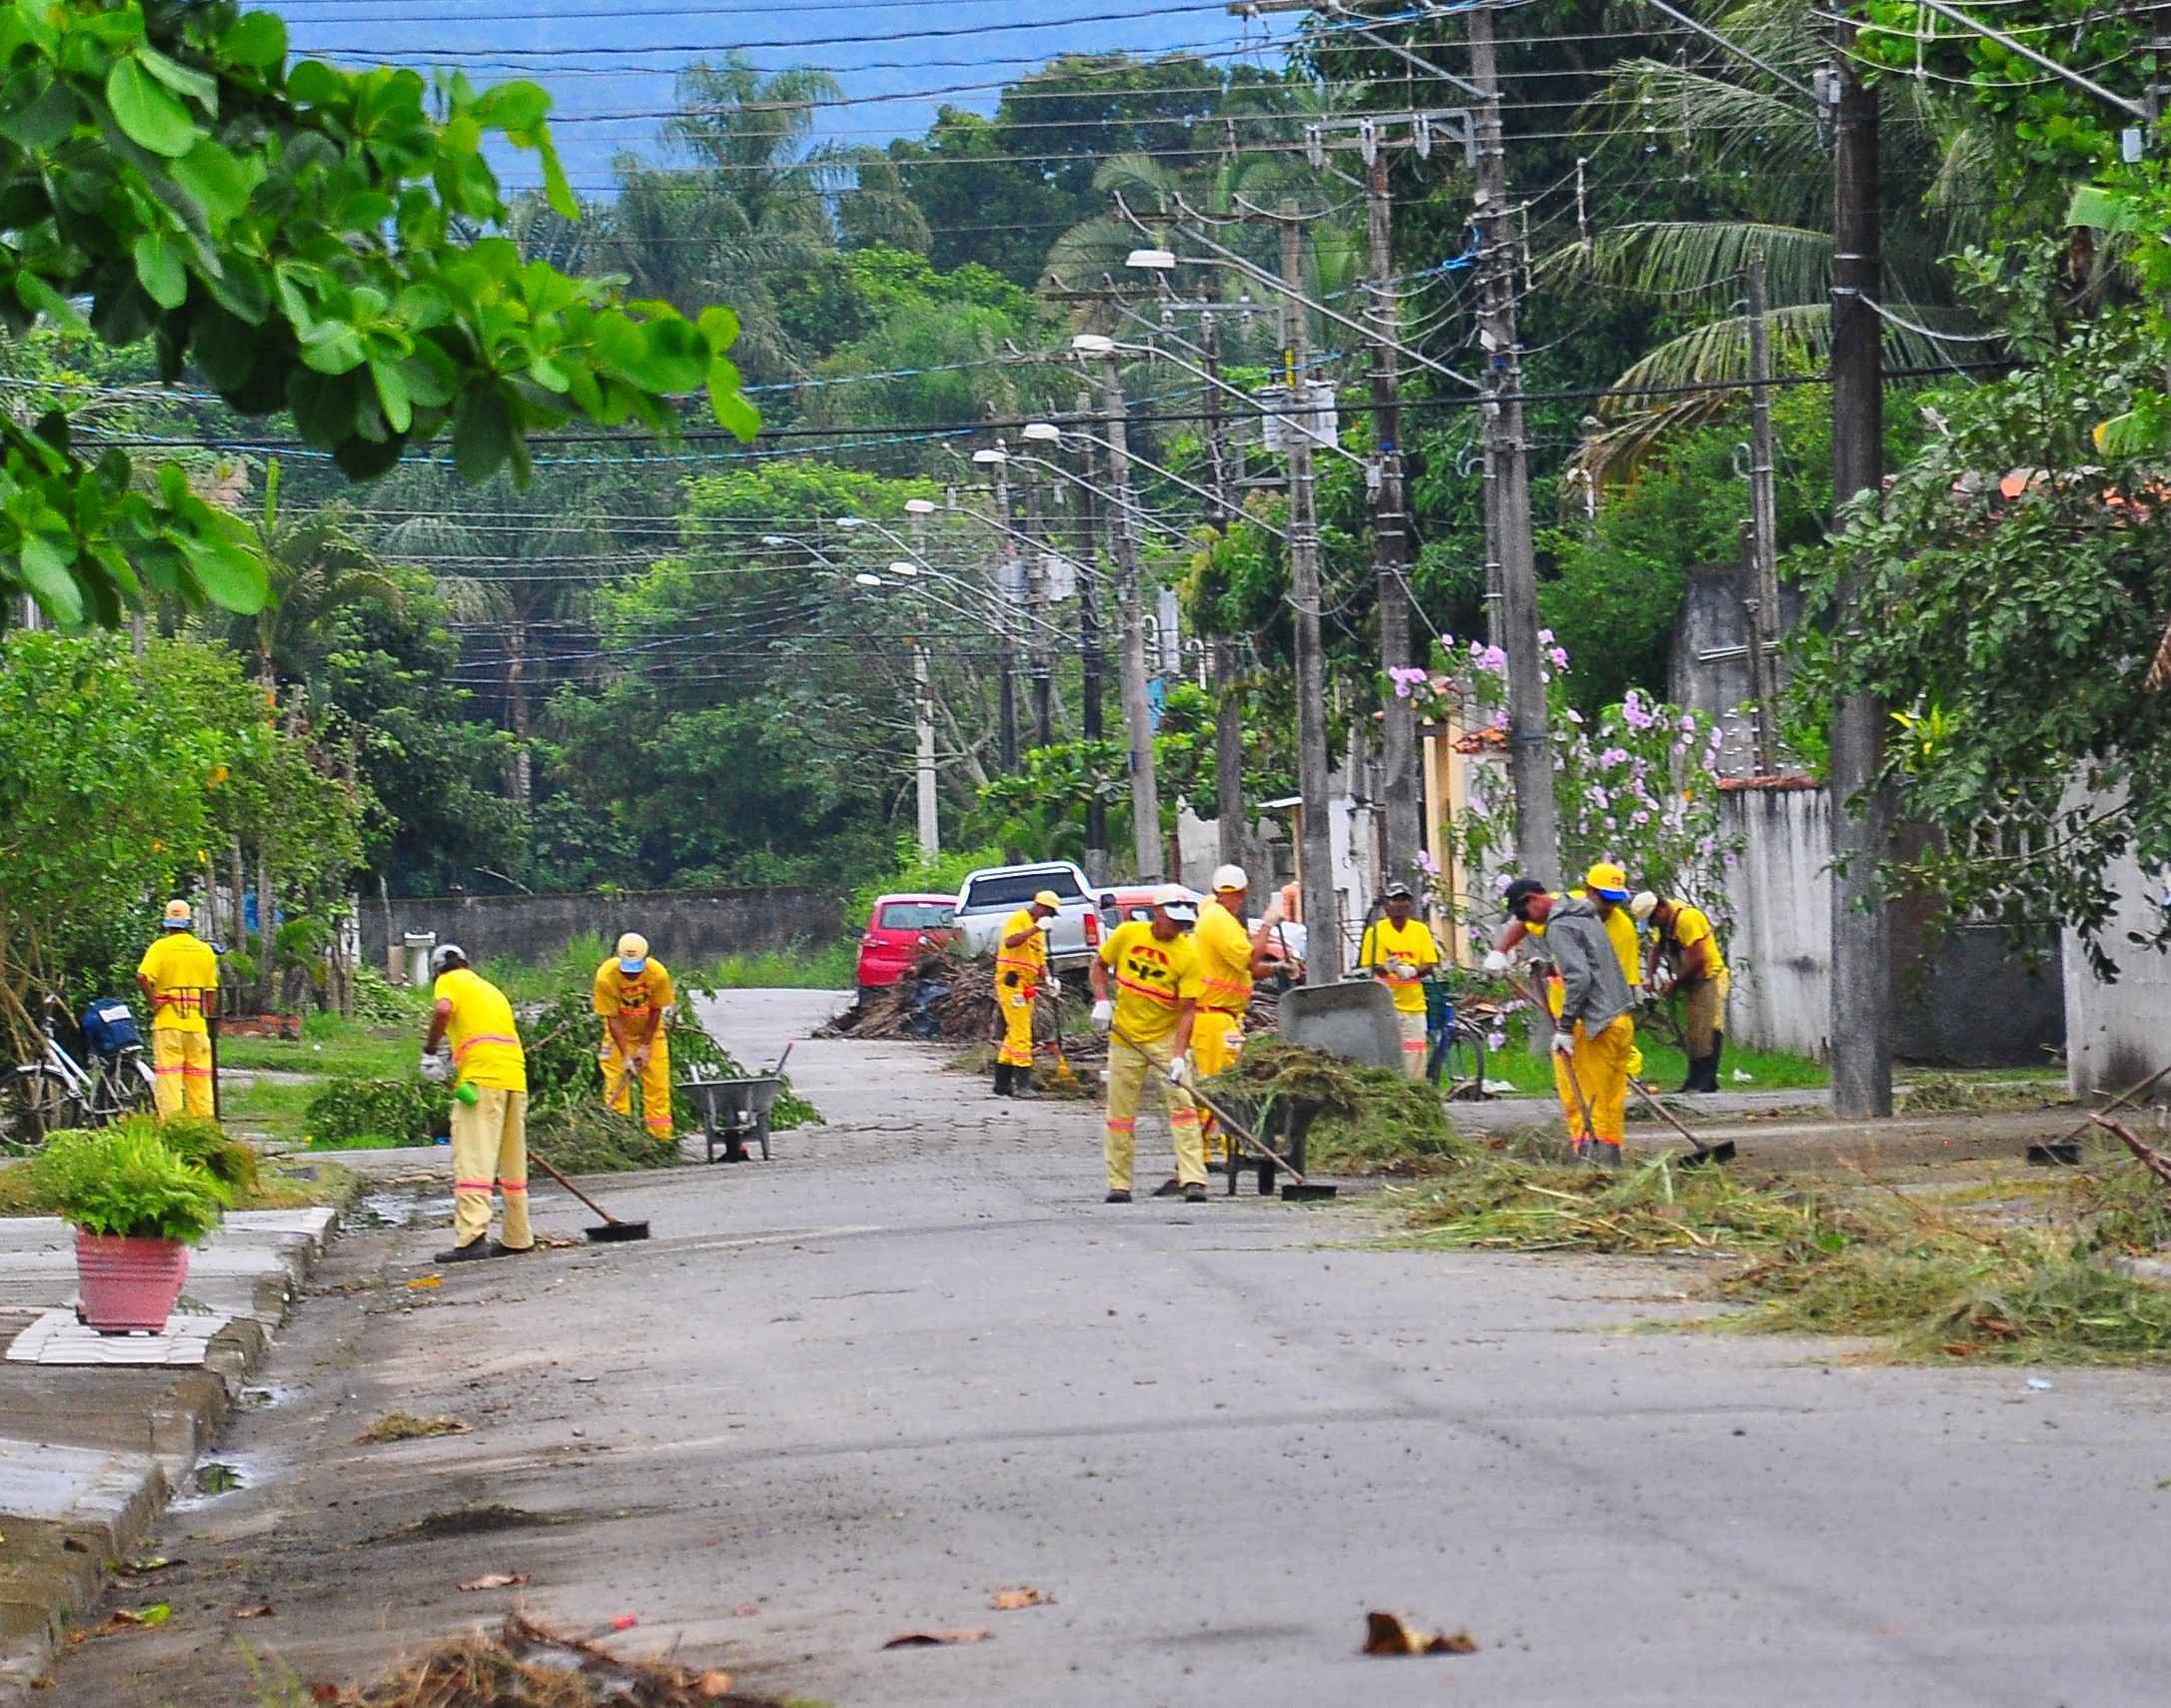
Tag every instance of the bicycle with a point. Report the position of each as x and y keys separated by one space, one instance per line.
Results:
x=1455 y=1061
x=56 y=1092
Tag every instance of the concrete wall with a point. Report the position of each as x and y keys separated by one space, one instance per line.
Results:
x=1962 y=999
x=684 y=926
x=2119 y=1034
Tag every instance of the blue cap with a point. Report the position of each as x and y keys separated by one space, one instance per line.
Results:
x=1614 y=896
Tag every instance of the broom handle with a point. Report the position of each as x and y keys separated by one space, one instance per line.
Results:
x=1665 y=1115
x=551 y=1170
x=1221 y=1115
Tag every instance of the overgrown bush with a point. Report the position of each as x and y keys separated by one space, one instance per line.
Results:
x=359 y=1113
x=123 y=1180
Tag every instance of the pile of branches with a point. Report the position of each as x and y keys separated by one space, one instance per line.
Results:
x=950 y=999
x=1365 y=1120
x=524 y=1665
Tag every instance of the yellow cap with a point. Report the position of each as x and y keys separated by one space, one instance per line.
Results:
x=1048 y=898
x=1606 y=877
x=632 y=952
x=178 y=916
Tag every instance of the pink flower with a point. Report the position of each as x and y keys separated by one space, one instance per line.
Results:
x=1427 y=864
x=1495 y=1041
x=1558 y=655
x=1688 y=723
x=1545 y=637
x=1573 y=717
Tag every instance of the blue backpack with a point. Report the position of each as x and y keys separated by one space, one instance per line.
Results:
x=109 y=1027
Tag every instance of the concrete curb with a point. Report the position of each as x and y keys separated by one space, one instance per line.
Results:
x=93 y=1456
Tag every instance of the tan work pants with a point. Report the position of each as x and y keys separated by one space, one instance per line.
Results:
x=1704 y=1014
x=1128 y=1066
x=182 y=1079
x=489 y=1144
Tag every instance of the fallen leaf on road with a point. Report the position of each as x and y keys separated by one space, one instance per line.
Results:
x=497 y=1580
x=263 y=1611
x=714 y=1684
x=939 y=1639
x=125 y=1619
x=557 y=1241
x=405 y=1426
x=1386 y=1634
x=323 y=1693
x=624 y=1621
x=747 y=1609
x=41 y=1682
x=154 y=1562
x=1010 y=1600
x=421 y=1281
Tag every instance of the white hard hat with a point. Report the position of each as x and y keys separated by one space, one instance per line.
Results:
x=1645 y=905
x=1230 y=878
x=446 y=952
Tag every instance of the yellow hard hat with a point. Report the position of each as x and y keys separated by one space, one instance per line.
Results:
x=1607 y=880
x=632 y=952
x=1048 y=898
x=178 y=916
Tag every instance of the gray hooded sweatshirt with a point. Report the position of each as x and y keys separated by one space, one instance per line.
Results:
x=1594 y=990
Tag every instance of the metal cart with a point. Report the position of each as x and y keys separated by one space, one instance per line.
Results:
x=734 y=1110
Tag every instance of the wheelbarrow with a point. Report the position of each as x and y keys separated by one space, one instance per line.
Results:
x=734 y=1110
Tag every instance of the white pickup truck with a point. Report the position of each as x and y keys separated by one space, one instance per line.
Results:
x=992 y=894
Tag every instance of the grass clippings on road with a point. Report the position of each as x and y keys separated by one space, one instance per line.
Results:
x=1927 y=1274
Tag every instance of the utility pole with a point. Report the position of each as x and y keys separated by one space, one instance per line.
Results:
x=1036 y=613
x=923 y=714
x=1089 y=651
x=1530 y=737
x=1323 y=927
x=1007 y=574
x=1764 y=605
x=1229 y=823
x=1137 y=712
x=1861 y=986
x=1389 y=530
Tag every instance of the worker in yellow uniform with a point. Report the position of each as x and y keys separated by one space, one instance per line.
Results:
x=1021 y=968
x=1606 y=887
x=179 y=975
x=1591 y=1034
x=490 y=1130
x=1152 y=966
x=1399 y=951
x=633 y=989
x=1230 y=960
x=1683 y=939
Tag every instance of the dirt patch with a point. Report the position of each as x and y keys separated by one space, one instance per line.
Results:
x=473 y=1521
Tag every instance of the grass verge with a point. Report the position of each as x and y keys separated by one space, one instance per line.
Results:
x=1926 y=1275
x=329 y=1045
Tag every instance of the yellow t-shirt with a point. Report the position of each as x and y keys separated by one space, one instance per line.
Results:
x=1384 y=942
x=1029 y=959
x=1152 y=979
x=486 y=1041
x=1225 y=979
x=1620 y=932
x=181 y=966
x=632 y=996
x=1691 y=924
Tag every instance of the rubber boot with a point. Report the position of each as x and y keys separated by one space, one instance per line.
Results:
x=1711 y=1062
x=1694 y=1080
x=1003 y=1071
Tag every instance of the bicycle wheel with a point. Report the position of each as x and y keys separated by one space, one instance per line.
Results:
x=1462 y=1077
x=35 y=1103
x=135 y=1084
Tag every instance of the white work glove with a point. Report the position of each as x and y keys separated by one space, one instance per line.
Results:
x=1179 y=1069
x=1275 y=916
x=1497 y=961
x=436 y=1069
x=1053 y=985
x=1402 y=969
x=1104 y=1014
x=1563 y=1040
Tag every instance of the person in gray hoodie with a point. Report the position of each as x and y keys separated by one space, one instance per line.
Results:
x=1594 y=1032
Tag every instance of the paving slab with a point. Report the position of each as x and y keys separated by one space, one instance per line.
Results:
x=59 y=1337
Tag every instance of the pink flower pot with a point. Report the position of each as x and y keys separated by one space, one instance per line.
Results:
x=127 y=1283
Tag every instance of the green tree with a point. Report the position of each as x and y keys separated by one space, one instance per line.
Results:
x=317 y=567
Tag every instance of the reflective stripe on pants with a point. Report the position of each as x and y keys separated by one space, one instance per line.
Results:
x=1217 y=1040
x=1128 y=1066
x=490 y=1145
x=1017 y=1016
x=1413 y=1042
x=182 y=1083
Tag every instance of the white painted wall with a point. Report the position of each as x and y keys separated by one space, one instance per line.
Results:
x=1780 y=949
x=2119 y=1034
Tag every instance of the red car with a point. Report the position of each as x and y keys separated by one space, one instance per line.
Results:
x=898 y=930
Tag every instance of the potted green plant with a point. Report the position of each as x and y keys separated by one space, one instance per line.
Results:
x=135 y=1208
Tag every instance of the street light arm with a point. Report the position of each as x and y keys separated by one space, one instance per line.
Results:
x=1241 y=396
x=1189 y=486
x=1128 y=505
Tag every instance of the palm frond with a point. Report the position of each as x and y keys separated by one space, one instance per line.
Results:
x=1078 y=258
x=1688 y=258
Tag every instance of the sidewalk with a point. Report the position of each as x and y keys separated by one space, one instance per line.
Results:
x=90 y=1455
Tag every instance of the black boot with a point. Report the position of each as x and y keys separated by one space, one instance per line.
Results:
x=1711 y=1062
x=1003 y=1071
x=1694 y=1080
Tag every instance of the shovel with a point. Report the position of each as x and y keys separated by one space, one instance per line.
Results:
x=613 y=1228
x=1296 y=1189
x=2066 y=1152
x=1701 y=1153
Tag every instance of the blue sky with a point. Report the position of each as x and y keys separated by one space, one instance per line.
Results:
x=609 y=66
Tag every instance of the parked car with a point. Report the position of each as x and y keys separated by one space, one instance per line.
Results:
x=992 y=894
x=899 y=930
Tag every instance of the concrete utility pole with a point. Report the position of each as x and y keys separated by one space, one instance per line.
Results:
x=1090 y=724
x=1764 y=604
x=1229 y=820
x=1137 y=713
x=1322 y=927
x=1390 y=532
x=1861 y=982
x=923 y=714
x=1036 y=614
x=1530 y=737
x=1007 y=574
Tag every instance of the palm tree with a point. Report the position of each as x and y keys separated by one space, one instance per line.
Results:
x=318 y=565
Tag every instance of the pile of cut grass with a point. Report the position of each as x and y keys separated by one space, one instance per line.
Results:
x=1370 y=1120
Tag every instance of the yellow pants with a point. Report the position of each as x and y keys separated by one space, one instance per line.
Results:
x=1217 y=1040
x=1413 y=1041
x=1554 y=995
x=183 y=1081
x=1016 y=1005
x=1128 y=1065
x=1704 y=1014
x=655 y=1084
x=1602 y=1070
x=489 y=1143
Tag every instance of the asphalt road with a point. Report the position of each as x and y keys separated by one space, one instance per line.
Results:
x=914 y=1361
